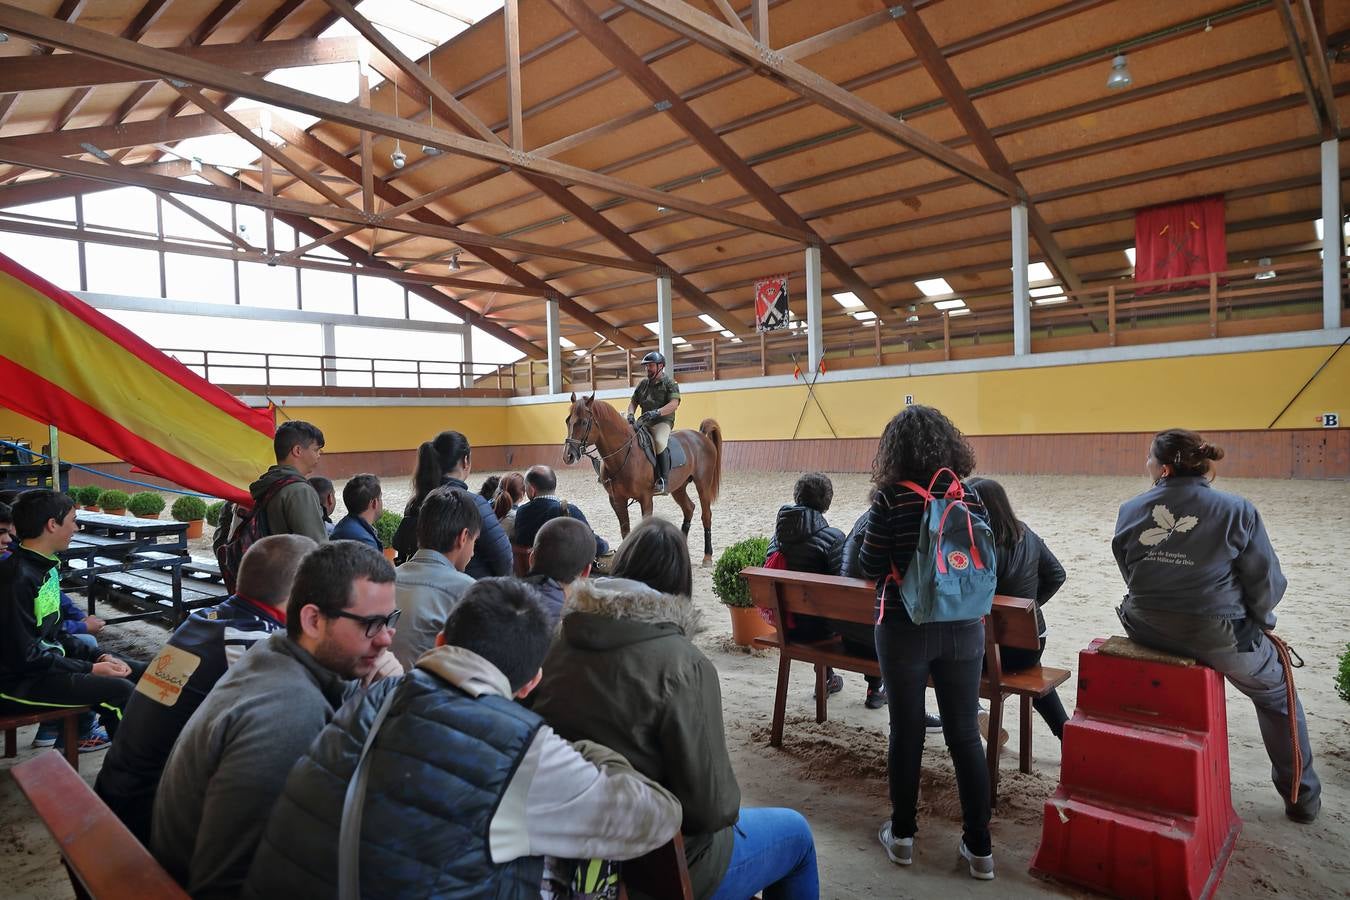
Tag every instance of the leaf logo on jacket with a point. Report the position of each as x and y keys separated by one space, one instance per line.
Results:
x=1168 y=525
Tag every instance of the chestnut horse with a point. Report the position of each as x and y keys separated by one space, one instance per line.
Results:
x=627 y=475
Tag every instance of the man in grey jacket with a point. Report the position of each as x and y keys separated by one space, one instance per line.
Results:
x=230 y=762
x=465 y=790
x=431 y=582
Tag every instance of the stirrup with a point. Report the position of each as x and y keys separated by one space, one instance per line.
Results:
x=659 y=486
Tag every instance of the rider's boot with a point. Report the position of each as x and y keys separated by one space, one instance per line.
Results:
x=662 y=471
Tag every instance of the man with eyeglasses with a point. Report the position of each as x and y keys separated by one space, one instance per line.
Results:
x=231 y=761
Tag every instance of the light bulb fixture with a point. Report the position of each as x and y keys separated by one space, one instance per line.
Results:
x=398 y=157
x=660 y=209
x=454 y=262
x=1120 y=74
x=428 y=150
x=1209 y=26
x=1268 y=273
x=4 y=38
x=196 y=165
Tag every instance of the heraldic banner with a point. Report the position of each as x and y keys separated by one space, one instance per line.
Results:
x=771 y=303
x=1177 y=240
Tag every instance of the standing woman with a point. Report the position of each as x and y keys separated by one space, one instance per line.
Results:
x=1203 y=581
x=445 y=460
x=916 y=444
x=1026 y=568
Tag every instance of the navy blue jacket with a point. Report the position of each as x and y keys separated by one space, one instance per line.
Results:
x=174 y=685
x=530 y=517
x=355 y=528
x=438 y=769
x=491 y=555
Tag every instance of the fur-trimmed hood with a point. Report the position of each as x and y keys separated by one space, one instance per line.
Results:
x=627 y=602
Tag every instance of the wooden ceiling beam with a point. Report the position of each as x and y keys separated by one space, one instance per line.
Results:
x=69 y=11
x=937 y=67
x=134 y=134
x=25 y=73
x=511 y=26
x=732 y=17
x=1317 y=58
x=660 y=93
x=684 y=19
x=1292 y=40
x=488 y=254
x=41 y=190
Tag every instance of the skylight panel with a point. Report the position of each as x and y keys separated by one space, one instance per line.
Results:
x=567 y=345
x=1039 y=271
x=1050 y=301
x=958 y=303
x=711 y=322
x=1320 y=229
x=678 y=341
x=728 y=334
x=653 y=327
x=934 y=287
x=864 y=315
x=1129 y=254
x=1046 y=291
x=848 y=300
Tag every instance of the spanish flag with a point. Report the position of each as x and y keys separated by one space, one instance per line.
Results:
x=64 y=364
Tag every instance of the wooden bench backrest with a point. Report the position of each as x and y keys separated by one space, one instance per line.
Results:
x=520 y=557
x=103 y=856
x=662 y=874
x=1012 y=619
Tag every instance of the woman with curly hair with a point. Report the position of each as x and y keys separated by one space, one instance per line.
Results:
x=916 y=445
x=1203 y=582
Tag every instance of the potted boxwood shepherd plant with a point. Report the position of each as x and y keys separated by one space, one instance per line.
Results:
x=114 y=502
x=191 y=510
x=746 y=622
x=145 y=505
x=385 y=525
x=213 y=513
x=87 y=496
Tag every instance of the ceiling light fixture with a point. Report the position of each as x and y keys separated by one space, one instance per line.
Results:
x=454 y=262
x=1120 y=74
x=196 y=165
x=1268 y=273
x=427 y=149
x=398 y=157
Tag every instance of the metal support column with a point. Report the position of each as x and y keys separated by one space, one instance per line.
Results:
x=330 y=378
x=555 y=379
x=666 y=332
x=1333 y=234
x=815 y=346
x=1021 y=296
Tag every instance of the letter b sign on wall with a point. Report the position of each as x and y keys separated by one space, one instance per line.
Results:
x=1330 y=420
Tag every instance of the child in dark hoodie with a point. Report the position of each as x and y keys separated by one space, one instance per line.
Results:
x=810 y=544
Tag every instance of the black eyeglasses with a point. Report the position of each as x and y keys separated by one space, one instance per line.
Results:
x=374 y=624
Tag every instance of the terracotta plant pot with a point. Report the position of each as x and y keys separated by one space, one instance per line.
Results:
x=390 y=553
x=90 y=508
x=115 y=512
x=195 y=528
x=150 y=516
x=747 y=624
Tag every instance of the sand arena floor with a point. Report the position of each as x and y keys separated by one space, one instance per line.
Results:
x=835 y=773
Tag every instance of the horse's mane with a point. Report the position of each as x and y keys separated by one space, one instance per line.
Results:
x=607 y=414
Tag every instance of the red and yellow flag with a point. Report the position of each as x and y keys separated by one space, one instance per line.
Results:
x=64 y=364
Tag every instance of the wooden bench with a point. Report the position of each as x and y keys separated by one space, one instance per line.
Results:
x=661 y=874
x=1011 y=623
x=70 y=728
x=103 y=858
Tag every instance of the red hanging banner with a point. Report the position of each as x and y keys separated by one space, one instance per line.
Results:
x=1179 y=240
x=771 y=303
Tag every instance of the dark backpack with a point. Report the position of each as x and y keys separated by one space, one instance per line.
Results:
x=952 y=576
x=247 y=527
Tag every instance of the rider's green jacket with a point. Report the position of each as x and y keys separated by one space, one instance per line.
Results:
x=651 y=395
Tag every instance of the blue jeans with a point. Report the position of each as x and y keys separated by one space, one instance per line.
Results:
x=87 y=639
x=953 y=654
x=774 y=853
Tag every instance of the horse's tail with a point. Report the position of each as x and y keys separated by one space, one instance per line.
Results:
x=713 y=432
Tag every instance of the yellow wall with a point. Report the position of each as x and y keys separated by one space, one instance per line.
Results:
x=1220 y=392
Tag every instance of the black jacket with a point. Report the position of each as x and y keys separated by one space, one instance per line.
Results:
x=32 y=641
x=491 y=555
x=1029 y=570
x=849 y=563
x=808 y=543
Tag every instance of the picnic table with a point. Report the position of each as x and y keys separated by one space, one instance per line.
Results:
x=141 y=561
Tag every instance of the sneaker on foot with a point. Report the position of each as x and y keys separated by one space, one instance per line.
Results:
x=932 y=724
x=900 y=850
x=876 y=697
x=97 y=739
x=834 y=683
x=981 y=867
x=47 y=734
x=1304 y=813
x=983 y=718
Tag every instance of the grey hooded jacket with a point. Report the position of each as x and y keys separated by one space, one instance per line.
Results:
x=426 y=588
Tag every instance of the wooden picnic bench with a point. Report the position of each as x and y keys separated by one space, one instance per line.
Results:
x=69 y=716
x=1011 y=623
x=104 y=859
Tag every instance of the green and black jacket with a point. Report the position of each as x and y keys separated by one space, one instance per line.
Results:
x=32 y=642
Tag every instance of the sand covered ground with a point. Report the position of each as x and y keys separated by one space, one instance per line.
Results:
x=835 y=773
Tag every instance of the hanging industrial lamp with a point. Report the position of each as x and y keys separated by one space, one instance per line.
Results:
x=398 y=157
x=1120 y=74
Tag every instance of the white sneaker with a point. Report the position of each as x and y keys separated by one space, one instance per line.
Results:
x=900 y=850
x=981 y=867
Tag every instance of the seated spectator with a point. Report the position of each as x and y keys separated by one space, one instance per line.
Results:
x=810 y=544
x=6 y=529
x=364 y=499
x=230 y=763
x=562 y=554
x=488 y=489
x=849 y=566
x=508 y=790
x=540 y=485
x=428 y=585
x=79 y=624
x=624 y=672
x=178 y=679
x=446 y=461
x=1026 y=568
x=327 y=499
x=40 y=664
x=510 y=495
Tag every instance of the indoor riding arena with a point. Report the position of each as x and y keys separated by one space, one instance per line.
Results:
x=1067 y=225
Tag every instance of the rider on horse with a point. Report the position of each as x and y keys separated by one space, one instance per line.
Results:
x=659 y=397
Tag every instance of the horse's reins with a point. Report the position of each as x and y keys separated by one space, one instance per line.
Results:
x=1291 y=696
x=587 y=448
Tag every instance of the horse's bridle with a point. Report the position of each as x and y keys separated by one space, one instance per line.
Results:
x=585 y=447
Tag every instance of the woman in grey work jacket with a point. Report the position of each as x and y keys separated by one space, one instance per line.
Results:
x=1203 y=582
